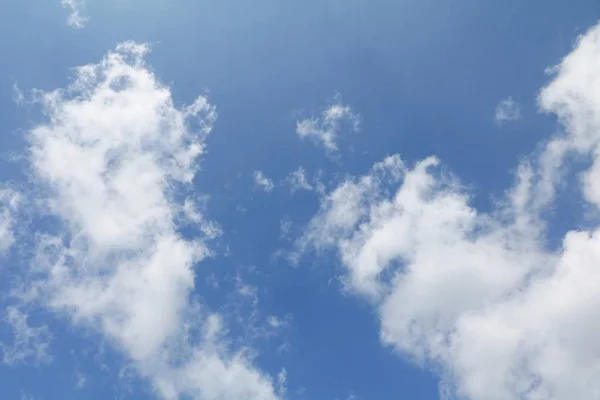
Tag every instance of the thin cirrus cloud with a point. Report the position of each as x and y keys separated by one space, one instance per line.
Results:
x=325 y=129
x=507 y=110
x=113 y=166
x=479 y=297
x=30 y=343
x=76 y=18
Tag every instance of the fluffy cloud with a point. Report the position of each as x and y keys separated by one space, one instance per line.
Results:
x=478 y=296
x=261 y=180
x=507 y=110
x=325 y=129
x=112 y=165
x=76 y=18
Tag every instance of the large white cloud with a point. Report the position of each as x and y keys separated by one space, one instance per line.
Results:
x=479 y=297
x=111 y=165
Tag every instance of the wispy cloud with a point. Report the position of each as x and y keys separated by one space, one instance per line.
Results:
x=507 y=110
x=30 y=343
x=27 y=396
x=261 y=180
x=80 y=381
x=76 y=19
x=282 y=382
x=285 y=226
x=9 y=204
x=296 y=180
x=325 y=129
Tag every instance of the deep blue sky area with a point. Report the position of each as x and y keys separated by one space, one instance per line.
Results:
x=425 y=76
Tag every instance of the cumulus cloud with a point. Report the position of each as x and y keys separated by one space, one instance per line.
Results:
x=477 y=296
x=507 y=110
x=261 y=180
x=326 y=129
x=76 y=18
x=29 y=345
x=113 y=165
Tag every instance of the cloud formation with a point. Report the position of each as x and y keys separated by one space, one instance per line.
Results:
x=480 y=297
x=113 y=166
x=261 y=180
x=325 y=129
x=9 y=204
x=76 y=18
x=297 y=181
x=507 y=110
x=30 y=343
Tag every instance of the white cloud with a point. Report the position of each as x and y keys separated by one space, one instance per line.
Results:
x=192 y=215
x=9 y=204
x=296 y=180
x=76 y=17
x=476 y=296
x=18 y=96
x=246 y=290
x=342 y=209
x=507 y=110
x=30 y=344
x=282 y=382
x=113 y=164
x=278 y=323
x=80 y=381
x=325 y=129
x=285 y=226
x=260 y=179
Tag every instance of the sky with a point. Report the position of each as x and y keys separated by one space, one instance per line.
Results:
x=317 y=200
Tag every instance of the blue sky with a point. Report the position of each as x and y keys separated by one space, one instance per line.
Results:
x=299 y=200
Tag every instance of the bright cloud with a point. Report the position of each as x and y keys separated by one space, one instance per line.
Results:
x=113 y=165
x=326 y=129
x=261 y=180
x=507 y=110
x=478 y=296
x=76 y=17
